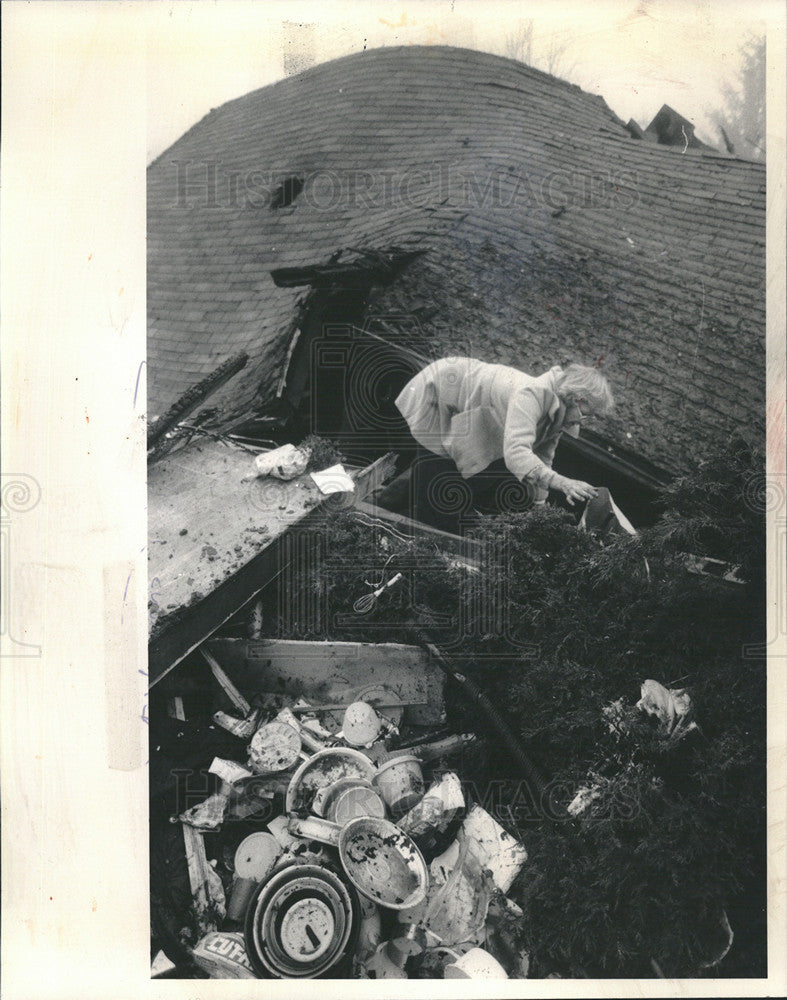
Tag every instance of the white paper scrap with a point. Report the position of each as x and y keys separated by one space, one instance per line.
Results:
x=333 y=480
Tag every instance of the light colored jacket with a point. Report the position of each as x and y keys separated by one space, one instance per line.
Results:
x=475 y=413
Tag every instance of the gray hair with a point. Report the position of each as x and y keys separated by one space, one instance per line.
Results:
x=581 y=382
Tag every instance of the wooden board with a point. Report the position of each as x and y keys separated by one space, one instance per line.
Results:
x=326 y=671
x=205 y=522
x=213 y=539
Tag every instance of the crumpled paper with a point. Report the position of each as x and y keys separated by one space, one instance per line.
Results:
x=285 y=462
x=208 y=815
x=207 y=891
x=333 y=480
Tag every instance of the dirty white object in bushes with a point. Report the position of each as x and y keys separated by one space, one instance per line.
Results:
x=584 y=798
x=671 y=706
x=222 y=955
x=333 y=480
x=285 y=462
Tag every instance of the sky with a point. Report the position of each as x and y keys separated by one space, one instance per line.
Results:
x=637 y=54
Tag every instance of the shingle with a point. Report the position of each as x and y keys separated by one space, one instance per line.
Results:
x=573 y=283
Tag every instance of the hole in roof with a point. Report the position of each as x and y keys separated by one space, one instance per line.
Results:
x=286 y=193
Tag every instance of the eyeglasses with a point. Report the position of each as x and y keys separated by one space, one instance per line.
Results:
x=585 y=417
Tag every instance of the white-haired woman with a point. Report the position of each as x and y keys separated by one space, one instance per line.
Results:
x=469 y=416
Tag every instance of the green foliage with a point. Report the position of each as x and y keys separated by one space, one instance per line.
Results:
x=677 y=831
x=720 y=510
x=323 y=453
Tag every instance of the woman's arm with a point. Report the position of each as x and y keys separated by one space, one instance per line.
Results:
x=524 y=411
x=526 y=408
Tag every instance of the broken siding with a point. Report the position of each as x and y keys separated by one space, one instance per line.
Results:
x=657 y=274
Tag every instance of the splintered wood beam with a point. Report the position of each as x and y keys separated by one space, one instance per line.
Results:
x=373 y=266
x=228 y=687
x=192 y=398
x=207 y=892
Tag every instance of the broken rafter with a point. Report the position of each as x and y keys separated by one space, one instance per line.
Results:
x=373 y=268
x=192 y=398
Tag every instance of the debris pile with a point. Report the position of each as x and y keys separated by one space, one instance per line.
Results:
x=360 y=855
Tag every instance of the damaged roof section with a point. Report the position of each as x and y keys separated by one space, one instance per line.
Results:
x=551 y=235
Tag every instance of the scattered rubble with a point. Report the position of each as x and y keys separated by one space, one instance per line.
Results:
x=374 y=865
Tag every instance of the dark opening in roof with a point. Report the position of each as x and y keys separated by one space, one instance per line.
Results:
x=286 y=193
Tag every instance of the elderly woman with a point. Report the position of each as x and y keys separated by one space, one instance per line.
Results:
x=467 y=415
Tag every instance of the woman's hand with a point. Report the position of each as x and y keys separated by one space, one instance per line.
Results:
x=576 y=490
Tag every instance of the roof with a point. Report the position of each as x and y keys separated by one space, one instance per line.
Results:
x=672 y=129
x=551 y=234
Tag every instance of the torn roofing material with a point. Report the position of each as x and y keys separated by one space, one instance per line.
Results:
x=552 y=235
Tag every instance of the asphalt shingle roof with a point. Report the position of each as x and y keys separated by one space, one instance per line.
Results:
x=552 y=235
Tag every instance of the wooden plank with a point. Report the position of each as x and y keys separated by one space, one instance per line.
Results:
x=231 y=547
x=234 y=695
x=330 y=671
x=205 y=521
x=207 y=892
x=373 y=476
